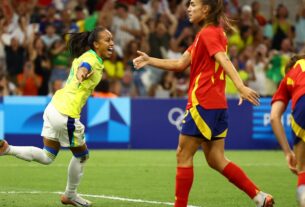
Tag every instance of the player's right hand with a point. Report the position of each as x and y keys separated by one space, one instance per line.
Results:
x=292 y=162
x=140 y=61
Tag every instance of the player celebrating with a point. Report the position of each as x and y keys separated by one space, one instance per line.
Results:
x=292 y=87
x=62 y=126
x=205 y=123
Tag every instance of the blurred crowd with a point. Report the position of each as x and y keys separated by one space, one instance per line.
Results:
x=34 y=59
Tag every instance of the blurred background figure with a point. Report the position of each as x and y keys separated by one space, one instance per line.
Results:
x=28 y=81
x=36 y=30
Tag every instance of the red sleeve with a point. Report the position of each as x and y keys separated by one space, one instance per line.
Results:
x=214 y=41
x=282 y=93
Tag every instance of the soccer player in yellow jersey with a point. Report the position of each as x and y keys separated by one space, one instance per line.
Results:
x=62 y=126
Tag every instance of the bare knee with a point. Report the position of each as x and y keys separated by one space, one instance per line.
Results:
x=217 y=163
x=184 y=158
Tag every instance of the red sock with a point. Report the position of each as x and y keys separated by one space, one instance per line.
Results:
x=237 y=176
x=301 y=178
x=184 y=181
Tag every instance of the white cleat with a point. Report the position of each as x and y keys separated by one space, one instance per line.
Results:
x=264 y=200
x=76 y=201
x=301 y=195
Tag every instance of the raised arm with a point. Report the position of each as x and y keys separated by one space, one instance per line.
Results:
x=176 y=65
x=277 y=110
x=245 y=92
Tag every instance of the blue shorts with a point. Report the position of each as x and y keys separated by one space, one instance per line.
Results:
x=298 y=121
x=209 y=124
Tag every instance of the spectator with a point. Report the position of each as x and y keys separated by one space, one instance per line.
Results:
x=80 y=18
x=114 y=66
x=7 y=88
x=67 y=25
x=126 y=86
x=257 y=15
x=50 y=37
x=300 y=29
x=131 y=53
x=166 y=88
x=281 y=25
x=15 y=55
x=28 y=81
x=126 y=26
x=102 y=90
x=40 y=57
x=55 y=86
x=60 y=61
x=257 y=70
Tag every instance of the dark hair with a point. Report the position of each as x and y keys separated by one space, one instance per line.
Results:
x=119 y=5
x=103 y=86
x=217 y=13
x=280 y=6
x=81 y=42
x=293 y=60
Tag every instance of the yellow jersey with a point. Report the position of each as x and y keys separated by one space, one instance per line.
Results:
x=71 y=99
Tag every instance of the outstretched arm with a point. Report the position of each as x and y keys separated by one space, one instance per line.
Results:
x=277 y=110
x=245 y=92
x=176 y=65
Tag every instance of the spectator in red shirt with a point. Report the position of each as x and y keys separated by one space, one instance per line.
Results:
x=206 y=120
x=28 y=81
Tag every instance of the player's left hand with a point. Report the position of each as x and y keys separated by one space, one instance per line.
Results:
x=247 y=93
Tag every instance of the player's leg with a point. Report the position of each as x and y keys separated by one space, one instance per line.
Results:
x=75 y=173
x=184 y=177
x=299 y=150
x=298 y=135
x=214 y=153
x=30 y=153
x=74 y=138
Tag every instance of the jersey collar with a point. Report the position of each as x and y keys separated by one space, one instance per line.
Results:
x=98 y=57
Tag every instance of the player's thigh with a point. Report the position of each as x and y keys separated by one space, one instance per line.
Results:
x=51 y=144
x=188 y=145
x=213 y=148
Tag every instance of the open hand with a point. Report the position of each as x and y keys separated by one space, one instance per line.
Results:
x=292 y=163
x=140 y=61
x=250 y=95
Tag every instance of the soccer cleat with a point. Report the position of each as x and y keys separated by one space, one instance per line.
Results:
x=263 y=200
x=301 y=195
x=76 y=201
x=269 y=201
x=3 y=147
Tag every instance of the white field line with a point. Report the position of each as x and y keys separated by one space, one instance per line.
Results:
x=97 y=196
x=139 y=165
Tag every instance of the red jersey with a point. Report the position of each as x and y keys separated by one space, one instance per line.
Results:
x=207 y=77
x=293 y=85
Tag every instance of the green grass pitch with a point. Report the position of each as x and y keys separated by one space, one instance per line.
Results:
x=146 y=175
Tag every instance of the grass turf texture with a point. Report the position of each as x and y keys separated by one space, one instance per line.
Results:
x=146 y=175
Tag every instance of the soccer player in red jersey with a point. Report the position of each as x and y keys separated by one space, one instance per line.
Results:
x=205 y=123
x=292 y=87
